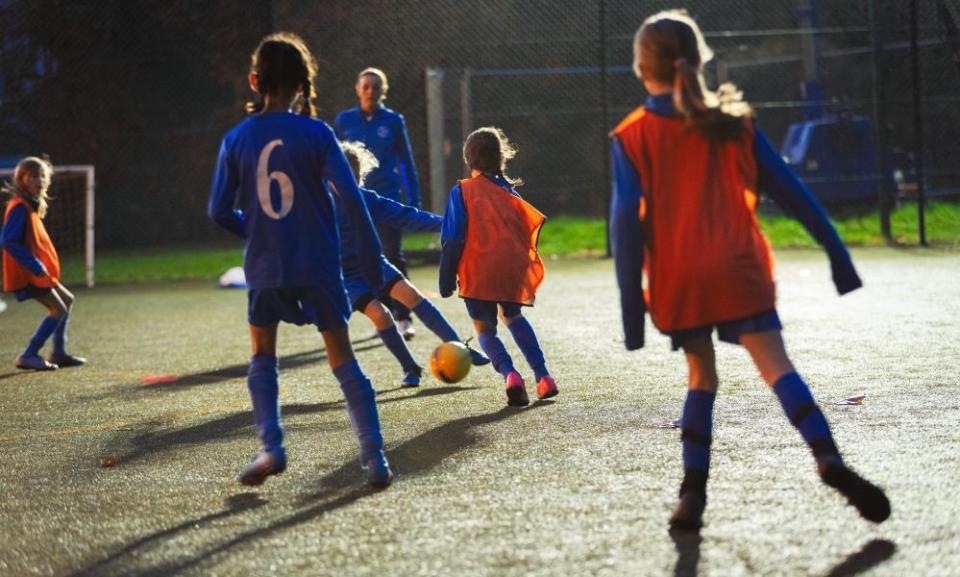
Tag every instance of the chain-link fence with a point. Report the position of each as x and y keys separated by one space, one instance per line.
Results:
x=144 y=91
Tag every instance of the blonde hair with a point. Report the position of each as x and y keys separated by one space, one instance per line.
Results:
x=32 y=166
x=361 y=160
x=488 y=150
x=669 y=48
x=384 y=85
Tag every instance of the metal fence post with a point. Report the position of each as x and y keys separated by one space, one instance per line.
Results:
x=880 y=126
x=605 y=114
x=918 y=140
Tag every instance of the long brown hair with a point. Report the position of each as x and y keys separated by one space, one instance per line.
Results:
x=284 y=66
x=670 y=49
x=31 y=166
x=488 y=150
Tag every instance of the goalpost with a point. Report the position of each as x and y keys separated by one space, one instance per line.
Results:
x=70 y=219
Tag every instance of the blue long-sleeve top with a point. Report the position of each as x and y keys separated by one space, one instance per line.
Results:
x=453 y=234
x=385 y=135
x=273 y=183
x=775 y=179
x=11 y=240
x=388 y=212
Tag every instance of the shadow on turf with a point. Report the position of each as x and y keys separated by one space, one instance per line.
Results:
x=869 y=556
x=240 y=371
x=234 y=504
x=235 y=424
x=339 y=488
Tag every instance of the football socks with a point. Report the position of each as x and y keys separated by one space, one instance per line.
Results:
x=394 y=341
x=493 y=347
x=526 y=339
x=262 y=381
x=43 y=332
x=804 y=414
x=60 y=337
x=361 y=407
x=697 y=429
x=431 y=318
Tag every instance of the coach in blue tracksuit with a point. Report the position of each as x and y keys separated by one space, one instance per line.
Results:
x=384 y=133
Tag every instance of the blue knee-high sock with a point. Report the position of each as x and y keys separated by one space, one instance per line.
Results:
x=431 y=318
x=697 y=430
x=361 y=407
x=43 y=332
x=493 y=347
x=395 y=343
x=526 y=339
x=263 y=384
x=805 y=415
x=60 y=337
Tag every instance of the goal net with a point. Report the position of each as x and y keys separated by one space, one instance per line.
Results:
x=69 y=219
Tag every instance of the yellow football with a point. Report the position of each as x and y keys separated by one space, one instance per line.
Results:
x=450 y=362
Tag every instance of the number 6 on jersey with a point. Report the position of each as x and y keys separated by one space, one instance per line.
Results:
x=263 y=184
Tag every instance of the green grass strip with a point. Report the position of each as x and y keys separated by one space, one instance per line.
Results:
x=563 y=236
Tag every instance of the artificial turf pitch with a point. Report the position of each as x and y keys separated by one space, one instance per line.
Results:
x=580 y=485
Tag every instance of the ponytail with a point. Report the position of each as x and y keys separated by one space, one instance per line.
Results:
x=718 y=116
x=670 y=48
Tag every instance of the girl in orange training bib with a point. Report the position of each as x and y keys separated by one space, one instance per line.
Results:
x=31 y=267
x=489 y=239
x=688 y=166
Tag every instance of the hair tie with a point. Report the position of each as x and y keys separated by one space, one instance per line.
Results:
x=680 y=62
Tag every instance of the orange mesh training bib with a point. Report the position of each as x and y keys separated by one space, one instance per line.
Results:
x=500 y=260
x=37 y=241
x=705 y=257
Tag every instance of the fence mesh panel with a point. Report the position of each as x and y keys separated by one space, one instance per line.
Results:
x=145 y=90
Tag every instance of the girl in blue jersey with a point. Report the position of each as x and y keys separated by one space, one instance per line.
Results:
x=274 y=178
x=365 y=299
x=687 y=166
x=31 y=267
x=489 y=251
x=384 y=132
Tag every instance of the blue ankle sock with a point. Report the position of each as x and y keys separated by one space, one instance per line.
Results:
x=43 y=332
x=526 y=339
x=361 y=407
x=396 y=345
x=431 y=318
x=697 y=429
x=263 y=384
x=804 y=414
x=60 y=338
x=493 y=347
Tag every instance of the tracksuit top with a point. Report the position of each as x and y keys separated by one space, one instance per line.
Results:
x=385 y=135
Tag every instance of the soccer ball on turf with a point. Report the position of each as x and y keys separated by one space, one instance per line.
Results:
x=450 y=362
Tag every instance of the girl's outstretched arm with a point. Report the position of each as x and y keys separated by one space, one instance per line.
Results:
x=223 y=195
x=11 y=240
x=453 y=234
x=398 y=215
x=626 y=243
x=780 y=183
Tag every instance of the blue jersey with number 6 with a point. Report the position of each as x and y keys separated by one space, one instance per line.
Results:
x=272 y=186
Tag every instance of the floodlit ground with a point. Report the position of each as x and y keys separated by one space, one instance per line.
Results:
x=579 y=486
